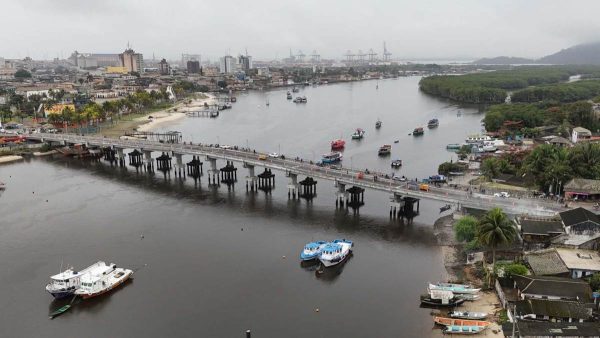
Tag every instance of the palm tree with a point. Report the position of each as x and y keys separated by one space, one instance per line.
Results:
x=494 y=229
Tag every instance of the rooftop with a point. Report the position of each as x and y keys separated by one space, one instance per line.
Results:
x=553 y=308
x=580 y=259
x=577 y=216
x=526 y=329
x=554 y=286
x=574 y=240
x=546 y=262
x=537 y=227
x=583 y=185
x=581 y=130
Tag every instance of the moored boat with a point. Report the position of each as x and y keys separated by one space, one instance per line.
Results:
x=289 y=95
x=65 y=283
x=295 y=89
x=450 y=302
x=312 y=250
x=338 y=144
x=477 y=138
x=385 y=150
x=418 y=131
x=358 y=134
x=396 y=163
x=60 y=311
x=332 y=157
x=455 y=288
x=453 y=146
x=469 y=296
x=96 y=285
x=455 y=329
x=2 y=185
x=378 y=124
x=335 y=252
x=460 y=322
x=468 y=315
x=433 y=123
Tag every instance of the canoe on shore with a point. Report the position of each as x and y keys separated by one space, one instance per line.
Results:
x=460 y=322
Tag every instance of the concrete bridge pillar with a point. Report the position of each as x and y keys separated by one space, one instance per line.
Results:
x=396 y=205
x=293 y=185
x=148 y=159
x=179 y=164
x=251 y=179
x=213 y=172
x=341 y=195
x=120 y=156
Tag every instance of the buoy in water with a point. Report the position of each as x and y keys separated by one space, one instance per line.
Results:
x=317 y=310
x=141 y=236
x=283 y=257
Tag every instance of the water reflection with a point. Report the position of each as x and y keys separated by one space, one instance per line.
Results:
x=330 y=274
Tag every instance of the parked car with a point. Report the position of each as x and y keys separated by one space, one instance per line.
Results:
x=502 y=194
x=424 y=187
x=262 y=157
x=274 y=155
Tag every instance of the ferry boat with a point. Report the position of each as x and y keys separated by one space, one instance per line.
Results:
x=385 y=150
x=455 y=288
x=378 y=124
x=289 y=95
x=312 y=250
x=396 y=163
x=93 y=284
x=65 y=283
x=335 y=252
x=453 y=146
x=338 y=144
x=418 y=131
x=332 y=157
x=358 y=134
x=478 y=138
x=433 y=123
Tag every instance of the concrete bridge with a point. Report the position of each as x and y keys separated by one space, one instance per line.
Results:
x=400 y=192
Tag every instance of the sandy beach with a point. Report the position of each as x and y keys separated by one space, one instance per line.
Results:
x=175 y=113
x=10 y=158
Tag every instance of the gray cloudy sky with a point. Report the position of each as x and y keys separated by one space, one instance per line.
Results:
x=269 y=28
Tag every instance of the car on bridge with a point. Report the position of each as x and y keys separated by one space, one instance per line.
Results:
x=273 y=155
x=262 y=157
x=502 y=194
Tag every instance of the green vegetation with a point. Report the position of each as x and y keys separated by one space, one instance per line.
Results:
x=492 y=167
x=22 y=74
x=465 y=228
x=495 y=229
x=562 y=92
x=512 y=269
x=595 y=282
x=447 y=167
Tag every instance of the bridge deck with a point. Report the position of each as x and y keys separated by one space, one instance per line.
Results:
x=343 y=175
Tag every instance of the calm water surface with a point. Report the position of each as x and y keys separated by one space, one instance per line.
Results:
x=217 y=261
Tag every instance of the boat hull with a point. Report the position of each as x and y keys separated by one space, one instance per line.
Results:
x=62 y=294
x=107 y=289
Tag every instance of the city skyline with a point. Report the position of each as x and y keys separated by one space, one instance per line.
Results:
x=435 y=30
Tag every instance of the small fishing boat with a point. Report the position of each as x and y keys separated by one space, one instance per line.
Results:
x=450 y=302
x=385 y=150
x=378 y=124
x=295 y=90
x=396 y=141
x=460 y=322
x=304 y=99
x=312 y=250
x=433 y=123
x=468 y=315
x=358 y=134
x=2 y=185
x=60 y=311
x=455 y=288
x=445 y=207
x=335 y=252
x=453 y=146
x=267 y=103
x=455 y=329
x=418 y=131
x=289 y=95
x=338 y=144
x=396 y=163
x=332 y=157
x=66 y=282
x=96 y=285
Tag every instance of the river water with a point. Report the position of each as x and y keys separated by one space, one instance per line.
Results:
x=214 y=262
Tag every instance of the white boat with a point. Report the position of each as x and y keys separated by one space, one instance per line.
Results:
x=478 y=138
x=335 y=252
x=93 y=284
x=455 y=288
x=468 y=315
x=65 y=283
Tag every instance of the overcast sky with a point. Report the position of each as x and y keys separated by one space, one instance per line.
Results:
x=418 y=29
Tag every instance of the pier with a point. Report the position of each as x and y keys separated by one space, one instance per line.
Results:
x=403 y=197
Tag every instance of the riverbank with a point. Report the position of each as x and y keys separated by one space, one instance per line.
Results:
x=10 y=158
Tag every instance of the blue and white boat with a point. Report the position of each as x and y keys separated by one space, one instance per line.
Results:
x=332 y=157
x=335 y=252
x=455 y=288
x=67 y=282
x=463 y=329
x=312 y=250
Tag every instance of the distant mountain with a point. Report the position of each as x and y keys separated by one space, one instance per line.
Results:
x=503 y=60
x=586 y=54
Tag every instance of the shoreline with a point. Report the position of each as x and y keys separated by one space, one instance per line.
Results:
x=10 y=158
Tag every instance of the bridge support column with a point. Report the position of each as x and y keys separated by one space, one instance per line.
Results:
x=148 y=159
x=309 y=188
x=251 y=179
x=213 y=172
x=194 y=168
x=357 y=198
x=266 y=180
x=120 y=156
x=396 y=205
x=341 y=195
x=293 y=185
x=229 y=173
x=179 y=165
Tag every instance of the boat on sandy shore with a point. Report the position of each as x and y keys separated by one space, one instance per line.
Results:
x=460 y=322
x=455 y=288
x=335 y=252
x=468 y=315
x=446 y=302
x=65 y=283
x=93 y=285
x=456 y=329
x=312 y=250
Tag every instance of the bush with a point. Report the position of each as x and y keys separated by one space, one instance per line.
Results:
x=465 y=228
x=595 y=282
x=512 y=269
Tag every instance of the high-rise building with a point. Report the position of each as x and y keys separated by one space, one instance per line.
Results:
x=226 y=65
x=189 y=57
x=164 y=68
x=134 y=62
x=245 y=62
x=193 y=67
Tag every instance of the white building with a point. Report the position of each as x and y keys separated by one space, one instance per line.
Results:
x=580 y=134
x=227 y=64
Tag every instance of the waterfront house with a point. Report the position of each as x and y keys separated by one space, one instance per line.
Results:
x=577 y=241
x=534 y=329
x=538 y=234
x=580 y=221
x=580 y=134
x=559 y=142
x=549 y=287
x=553 y=310
x=580 y=262
x=582 y=188
x=546 y=263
